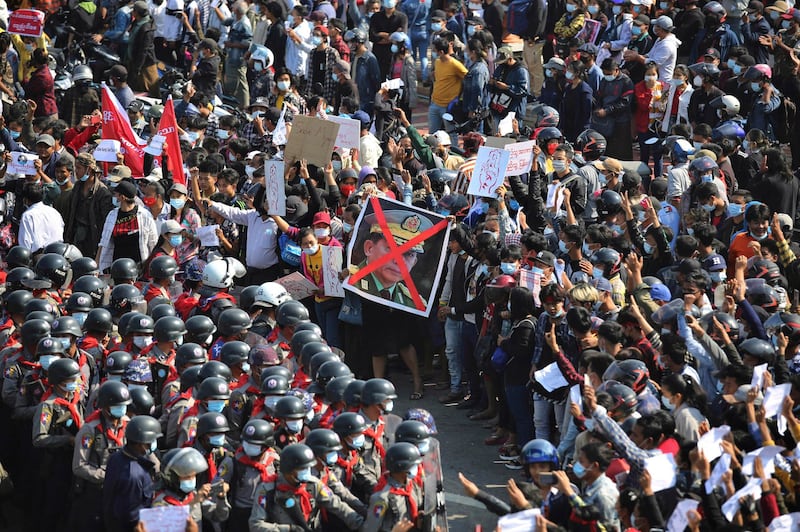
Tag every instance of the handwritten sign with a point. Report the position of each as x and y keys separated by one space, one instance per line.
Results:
x=165 y=518
x=311 y=139
x=349 y=135
x=107 y=150
x=521 y=157
x=489 y=173
x=22 y=163
x=331 y=266
x=297 y=285
x=26 y=22
x=275 y=196
x=280 y=133
x=208 y=236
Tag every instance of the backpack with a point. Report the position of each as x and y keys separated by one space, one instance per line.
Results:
x=782 y=120
x=517 y=17
x=290 y=251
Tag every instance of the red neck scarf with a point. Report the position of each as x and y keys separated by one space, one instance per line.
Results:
x=326 y=421
x=185 y=395
x=377 y=436
x=406 y=491
x=244 y=378
x=115 y=436
x=72 y=407
x=255 y=464
x=301 y=380
x=300 y=492
x=193 y=410
x=348 y=466
x=177 y=502
x=212 y=466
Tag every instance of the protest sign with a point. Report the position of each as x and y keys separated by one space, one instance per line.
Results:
x=106 y=151
x=311 y=139
x=489 y=173
x=521 y=158
x=22 y=163
x=275 y=194
x=26 y=23
x=332 y=260
x=297 y=285
x=349 y=135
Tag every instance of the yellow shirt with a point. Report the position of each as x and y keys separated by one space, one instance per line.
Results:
x=313 y=270
x=24 y=72
x=448 y=76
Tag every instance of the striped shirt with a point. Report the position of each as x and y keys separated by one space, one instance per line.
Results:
x=461 y=184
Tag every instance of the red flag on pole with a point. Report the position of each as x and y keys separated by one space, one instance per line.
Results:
x=168 y=128
x=117 y=126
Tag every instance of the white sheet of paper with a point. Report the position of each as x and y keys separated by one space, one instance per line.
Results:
x=165 y=518
x=773 y=398
x=506 y=126
x=519 y=521
x=349 y=135
x=710 y=442
x=723 y=464
x=521 y=157
x=663 y=471
x=555 y=197
x=575 y=395
x=489 y=173
x=758 y=376
x=785 y=523
x=550 y=377
x=560 y=265
x=392 y=84
x=731 y=506
x=22 y=163
x=767 y=455
x=678 y=520
x=331 y=266
x=208 y=236
x=275 y=194
x=297 y=285
x=280 y=135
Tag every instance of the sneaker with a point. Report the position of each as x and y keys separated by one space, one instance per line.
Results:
x=509 y=452
x=513 y=465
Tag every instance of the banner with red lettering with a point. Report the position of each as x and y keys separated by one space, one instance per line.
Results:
x=168 y=127
x=117 y=126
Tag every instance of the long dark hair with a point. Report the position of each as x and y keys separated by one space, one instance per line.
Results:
x=690 y=390
x=522 y=304
x=776 y=164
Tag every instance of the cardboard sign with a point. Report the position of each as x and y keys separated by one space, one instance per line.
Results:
x=22 y=163
x=26 y=23
x=275 y=194
x=349 y=135
x=331 y=266
x=489 y=173
x=297 y=285
x=107 y=150
x=521 y=158
x=311 y=139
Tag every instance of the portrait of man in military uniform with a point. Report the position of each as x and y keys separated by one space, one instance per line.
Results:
x=386 y=284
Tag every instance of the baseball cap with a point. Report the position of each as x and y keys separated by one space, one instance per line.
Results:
x=171 y=226
x=504 y=53
x=444 y=138
x=86 y=159
x=602 y=284
x=259 y=102
x=208 y=44
x=793 y=13
x=362 y=117
x=118 y=72
x=126 y=189
x=118 y=173
x=665 y=23
x=179 y=187
x=156 y=174
x=344 y=68
x=755 y=7
x=546 y=258
x=321 y=217
x=438 y=14
x=712 y=52
x=555 y=63
x=660 y=292
x=589 y=48
x=46 y=139
x=476 y=21
x=322 y=29
x=642 y=19
x=689 y=266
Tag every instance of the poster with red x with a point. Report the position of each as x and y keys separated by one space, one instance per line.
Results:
x=397 y=255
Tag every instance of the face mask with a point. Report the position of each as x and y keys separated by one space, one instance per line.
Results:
x=578 y=469
x=470 y=30
x=436 y=26
x=304 y=475
x=215 y=405
x=708 y=178
x=571 y=8
x=224 y=134
x=62 y=183
x=636 y=30
x=746 y=145
x=115 y=201
x=663 y=5
x=557 y=314
x=616 y=229
x=322 y=232
x=217 y=440
x=755 y=86
x=251 y=449
x=597 y=273
x=414 y=471
x=294 y=426
x=66 y=343
x=388 y=407
x=774 y=15
x=648 y=249
x=283 y=85
x=388 y=4
x=734 y=209
x=149 y=202
x=187 y=486
x=142 y=341
x=718 y=277
x=28 y=47
x=424 y=447
x=637 y=9
x=395 y=48
x=245 y=367
x=312 y=250
x=562 y=247
x=559 y=166
x=586 y=249
x=651 y=79
x=708 y=208
x=617 y=10
x=117 y=411
x=609 y=77
x=358 y=441
x=569 y=75
x=759 y=238
x=508 y=268
x=46 y=360
x=193 y=136
x=177 y=203
x=71 y=386
x=316 y=41
x=737 y=69
x=786 y=24
x=15 y=134
x=669 y=406
x=697 y=81
x=258 y=67
x=153 y=447
x=175 y=240
x=548 y=73
x=331 y=457
x=481 y=270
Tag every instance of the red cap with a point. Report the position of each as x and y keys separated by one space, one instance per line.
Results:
x=321 y=218
x=323 y=30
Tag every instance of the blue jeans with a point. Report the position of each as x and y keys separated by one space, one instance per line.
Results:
x=419 y=50
x=435 y=122
x=452 y=350
x=566 y=447
x=518 y=400
x=328 y=317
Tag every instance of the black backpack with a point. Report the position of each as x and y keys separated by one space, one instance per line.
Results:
x=782 y=120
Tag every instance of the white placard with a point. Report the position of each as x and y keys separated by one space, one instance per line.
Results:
x=773 y=398
x=678 y=521
x=731 y=506
x=550 y=377
x=392 y=84
x=22 y=163
x=723 y=464
x=575 y=395
x=710 y=442
x=767 y=455
x=156 y=146
x=107 y=151
x=521 y=157
x=663 y=471
x=349 y=135
x=785 y=523
x=208 y=236
x=489 y=173
x=332 y=259
x=519 y=521
x=297 y=285
x=280 y=134
x=758 y=376
x=506 y=125
x=165 y=518
x=275 y=194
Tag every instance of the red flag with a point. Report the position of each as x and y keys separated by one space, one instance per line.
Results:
x=168 y=127
x=117 y=126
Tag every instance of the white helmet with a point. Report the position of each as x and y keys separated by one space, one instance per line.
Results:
x=220 y=273
x=731 y=105
x=271 y=295
x=82 y=73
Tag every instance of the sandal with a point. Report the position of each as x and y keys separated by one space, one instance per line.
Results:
x=416 y=396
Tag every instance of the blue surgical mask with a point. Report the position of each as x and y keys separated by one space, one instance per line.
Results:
x=175 y=240
x=578 y=469
x=85 y=178
x=708 y=178
x=470 y=30
x=755 y=86
x=358 y=441
x=414 y=471
x=616 y=229
x=316 y=41
x=177 y=203
x=312 y=250
x=251 y=449
x=436 y=26
x=223 y=134
x=395 y=48
x=597 y=273
x=294 y=425
x=245 y=367
x=117 y=411
x=508 y=268
x=617 y=10
x=648 y=249
x=187 y=486
x=786 y=24
x=663 y=5
x=304 y=475
x=571 y=8
x=609 y=77
x=331 y=457
x=335 y=76
x=593 y=10
x=636 y=30
x=562 y=247
x=153 y=447
x=215 y=405
x=71 y=386
x=346 y=227
x=66 y=343
x=669 y=406
x=46 y=360
x=193 y=136
x=708 y=208
x=718 y=277
x=736 y=69
x=690 y=231
x=481 y=270
x=15 y=134
x=559 y=166
x=115 y=201
x=548 y=73
x=735 y=209
x=217 y=440
x=586 y=249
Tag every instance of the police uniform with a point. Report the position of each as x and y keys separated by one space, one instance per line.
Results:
x=329 y=478
x=172 y=415
x=351 y=471
x=18 y=363
x=31 y=390
x=240 y=407
x=276 y=508
x=375 y=445
x=162 y=366
x=280 y=344
x=391 y=503
x=248 y=474
x=95 y=442
x=220 y=465
x=283 y=437
x=188 y=424
x=209 y=510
